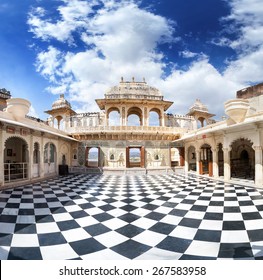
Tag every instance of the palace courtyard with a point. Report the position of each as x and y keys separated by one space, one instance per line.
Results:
x=144 y=217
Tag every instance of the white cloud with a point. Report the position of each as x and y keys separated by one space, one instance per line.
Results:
x=247 y=17
x=122 y=39
x=201 y=81
x=72 y=16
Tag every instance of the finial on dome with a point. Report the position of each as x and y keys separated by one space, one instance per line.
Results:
x=133 y=79
x=121 y=79
x=61 y=96
x=143 y=79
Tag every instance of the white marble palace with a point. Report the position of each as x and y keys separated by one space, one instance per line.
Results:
x=132 y=133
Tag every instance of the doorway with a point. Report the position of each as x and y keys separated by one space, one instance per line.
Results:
x=206 y=160
x=135 y=157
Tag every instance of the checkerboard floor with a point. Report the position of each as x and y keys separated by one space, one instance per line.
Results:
x=131 y=217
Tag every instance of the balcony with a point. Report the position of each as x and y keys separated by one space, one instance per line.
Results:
x=126 y=129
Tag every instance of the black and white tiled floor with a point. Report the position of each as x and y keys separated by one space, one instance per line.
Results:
x=131 y=217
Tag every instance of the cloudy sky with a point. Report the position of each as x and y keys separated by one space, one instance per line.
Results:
x=206 y=49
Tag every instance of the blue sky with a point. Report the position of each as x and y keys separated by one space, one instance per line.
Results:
x=206 y=49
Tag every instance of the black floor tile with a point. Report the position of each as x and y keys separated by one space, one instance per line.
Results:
x=131 y=249
x=174 y=244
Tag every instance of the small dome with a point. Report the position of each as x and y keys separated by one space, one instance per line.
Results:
x=61 y=103
x=198 y=106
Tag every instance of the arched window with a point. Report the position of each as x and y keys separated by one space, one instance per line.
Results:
x=114 y=118
x=134 y=117
x=36 y=153
x=154 y=118
x=49 y=153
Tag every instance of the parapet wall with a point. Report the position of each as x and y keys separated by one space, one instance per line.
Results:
x=250 y=92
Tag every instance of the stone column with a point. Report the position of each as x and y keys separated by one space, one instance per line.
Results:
x=106 y=117
x=215 y=163
x=258 y=166
x=145 y=117
x=41 y=159
x=227 y=165
x=123 y=116
x=162 y=119
x=30 y=158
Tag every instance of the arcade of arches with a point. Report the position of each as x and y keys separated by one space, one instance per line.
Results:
x=237 y=161
x=122 y=116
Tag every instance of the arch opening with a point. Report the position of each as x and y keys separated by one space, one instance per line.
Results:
x=92 y=156
x=191 y=158
x=154 y=118
x=16 y=159
x=114 y=117
x=206 y=160
x=134 y=117
x=242 y=159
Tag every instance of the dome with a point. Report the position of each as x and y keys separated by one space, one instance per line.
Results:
x=133 y=90
x=61 y=103
x=198 y=106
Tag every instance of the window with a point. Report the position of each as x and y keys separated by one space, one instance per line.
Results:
x=36 y=153
x=49 y=153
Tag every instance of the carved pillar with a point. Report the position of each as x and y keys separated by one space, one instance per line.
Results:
x=258 y=166
x=227 y=165
x=30 y=158
x=41 y=159
x=123 y=117
x=215 y=163
x=106 y=117
x=186 y=161
x=145 y=117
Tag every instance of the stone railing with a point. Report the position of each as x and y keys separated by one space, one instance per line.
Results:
x=123 y=129
x=133 y=96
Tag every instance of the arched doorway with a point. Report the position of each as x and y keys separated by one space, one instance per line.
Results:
x=242 y=159
x=206 y=160
x=16 y=159
x=50 y=158
x=191 y=158
x=92 y=156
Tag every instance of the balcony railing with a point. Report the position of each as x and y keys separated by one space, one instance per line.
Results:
x=15 y=171
x=129 y=129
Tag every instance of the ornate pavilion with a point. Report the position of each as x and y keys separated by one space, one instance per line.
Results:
x=132 y=133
